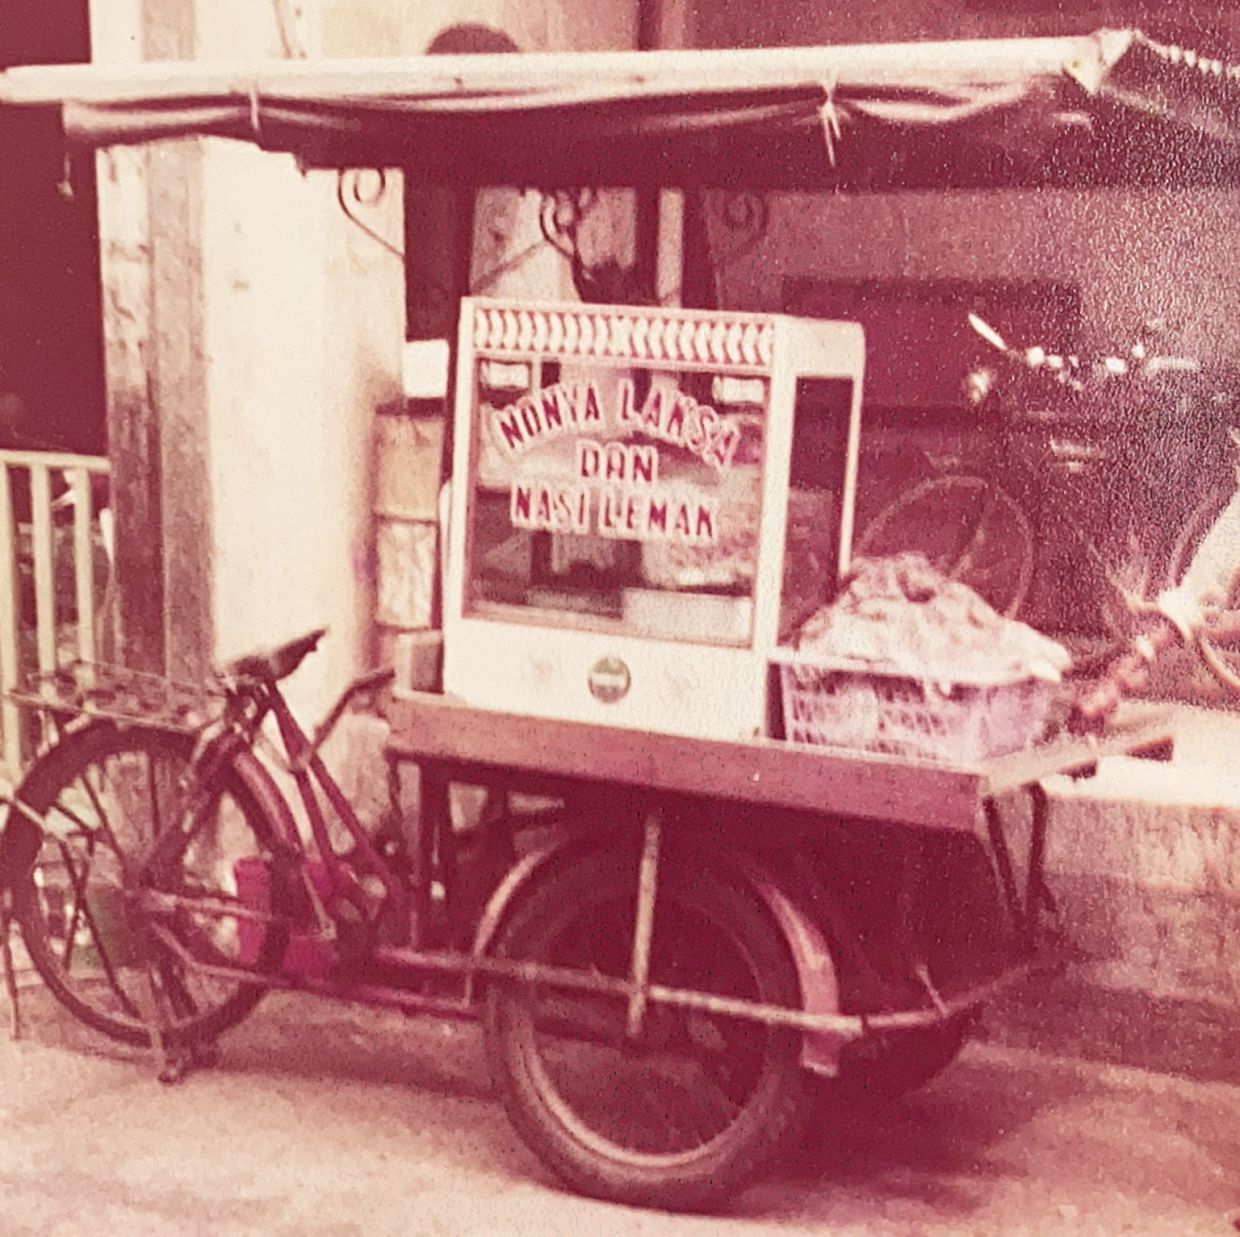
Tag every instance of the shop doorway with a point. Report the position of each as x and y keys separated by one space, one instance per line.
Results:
x=56 y=545
x=51 y=333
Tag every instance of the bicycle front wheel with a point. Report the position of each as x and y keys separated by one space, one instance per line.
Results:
x=105 y=794
x=694 y=1105
x=969 y=529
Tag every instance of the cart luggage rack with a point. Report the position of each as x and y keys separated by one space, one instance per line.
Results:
x=134 y=697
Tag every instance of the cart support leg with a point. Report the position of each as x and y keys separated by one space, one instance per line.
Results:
x=647 y=880
x=1026 y=912
x=173 y=1065
x=1038 y=896
x=6 y=953
x=1003 y=862
x=434 y=819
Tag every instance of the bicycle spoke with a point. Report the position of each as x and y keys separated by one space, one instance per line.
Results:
x=109 y=970
x=79 y=885
x=79 y=895
x=104 y=824
x=179 y=996
x=103 y=810
x=963 y=559
x=82 y=826
x=153 y=787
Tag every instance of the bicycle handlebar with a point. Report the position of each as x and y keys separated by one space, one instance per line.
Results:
x=1065 y=369
x=372 y=680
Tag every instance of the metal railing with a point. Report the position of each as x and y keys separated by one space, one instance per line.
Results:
x=56 y=579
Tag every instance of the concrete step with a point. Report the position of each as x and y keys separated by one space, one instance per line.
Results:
x=1065 y=1015
x=1145 y=860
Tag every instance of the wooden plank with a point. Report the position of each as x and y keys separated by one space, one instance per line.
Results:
x=429 y=727
x=83 y=563
x=966 y=61
x=44 y=575
x=1143 y=727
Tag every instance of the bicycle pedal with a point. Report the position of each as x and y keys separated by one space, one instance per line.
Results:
x=175 y=1068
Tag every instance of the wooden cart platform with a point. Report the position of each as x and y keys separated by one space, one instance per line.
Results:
x=466 y=743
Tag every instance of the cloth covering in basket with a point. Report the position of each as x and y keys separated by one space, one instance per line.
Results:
x=909 y=662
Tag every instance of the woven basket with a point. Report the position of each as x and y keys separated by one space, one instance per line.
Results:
x=879 y=711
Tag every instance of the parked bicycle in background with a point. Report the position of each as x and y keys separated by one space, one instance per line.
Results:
x=1103 y=474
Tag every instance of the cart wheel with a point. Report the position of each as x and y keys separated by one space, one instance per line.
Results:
x=697 y=1103
x=883 y=1068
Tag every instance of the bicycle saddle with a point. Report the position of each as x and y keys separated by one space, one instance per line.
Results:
x=278 y=663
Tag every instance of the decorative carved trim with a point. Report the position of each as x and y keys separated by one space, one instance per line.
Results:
x=732 y=342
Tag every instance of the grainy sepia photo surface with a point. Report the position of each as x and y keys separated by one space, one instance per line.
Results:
x=619 y=615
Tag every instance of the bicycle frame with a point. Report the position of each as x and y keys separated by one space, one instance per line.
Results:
x=350 y=877
x=1079 y=486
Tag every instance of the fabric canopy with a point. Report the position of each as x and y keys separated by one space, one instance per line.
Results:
x=1112 y=108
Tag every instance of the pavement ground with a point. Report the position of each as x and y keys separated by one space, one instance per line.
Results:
x=325 y=1120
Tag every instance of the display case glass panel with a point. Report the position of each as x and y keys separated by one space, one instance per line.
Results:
x=613 y=496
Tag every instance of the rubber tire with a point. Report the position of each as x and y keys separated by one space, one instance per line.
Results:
x=72 y=756
x=902 y=514
x=703 y=1177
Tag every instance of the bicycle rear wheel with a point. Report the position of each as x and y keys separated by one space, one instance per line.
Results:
x=1223 y=660
x=698 y=1102
x=105 y=794
x=971 y=530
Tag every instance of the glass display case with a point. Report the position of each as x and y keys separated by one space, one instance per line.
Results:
x=645 y=502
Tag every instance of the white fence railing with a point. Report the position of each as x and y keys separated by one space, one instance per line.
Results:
x=56 y=579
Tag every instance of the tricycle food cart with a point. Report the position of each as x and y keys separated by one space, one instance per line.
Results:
x=675 y=907
x=665 y=950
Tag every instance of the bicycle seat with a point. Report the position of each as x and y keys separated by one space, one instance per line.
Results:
x=278 y=663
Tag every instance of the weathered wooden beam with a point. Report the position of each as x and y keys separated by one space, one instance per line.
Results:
x=434 y=728
x=150 y=231
x=679 y=72
x=133 y=428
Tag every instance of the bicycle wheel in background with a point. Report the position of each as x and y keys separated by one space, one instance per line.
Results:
x=698 y=1102
x=969 y=529
x=105 y=793
x=1223 y=660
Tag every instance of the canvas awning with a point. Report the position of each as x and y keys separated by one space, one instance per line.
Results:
x=1113 y=107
